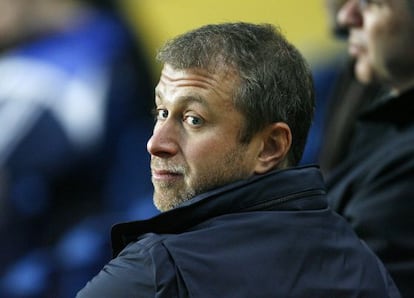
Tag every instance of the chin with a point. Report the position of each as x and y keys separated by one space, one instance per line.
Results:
x=363 y=73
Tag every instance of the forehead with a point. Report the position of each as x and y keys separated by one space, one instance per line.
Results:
x=219 y=85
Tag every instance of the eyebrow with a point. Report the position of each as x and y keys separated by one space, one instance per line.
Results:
x=185 y=99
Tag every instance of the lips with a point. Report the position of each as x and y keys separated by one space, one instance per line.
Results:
x=355 y=49
x=356 y=43
x=164 y=173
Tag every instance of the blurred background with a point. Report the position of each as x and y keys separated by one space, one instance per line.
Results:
x=304 y=23
x=76 y=87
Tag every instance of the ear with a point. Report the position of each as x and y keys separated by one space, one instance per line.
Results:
x=277 y=140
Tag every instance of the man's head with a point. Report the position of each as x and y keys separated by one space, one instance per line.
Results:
x=381 y=40
x=233 y=100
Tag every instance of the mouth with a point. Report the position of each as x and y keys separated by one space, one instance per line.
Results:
x=166 y=171
x=356 y=44
x=165 y=175
x=355 y=49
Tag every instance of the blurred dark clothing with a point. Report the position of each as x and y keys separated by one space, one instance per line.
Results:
x=372 y=186
x=75 y=118
x=344 y=102
x=228 y=241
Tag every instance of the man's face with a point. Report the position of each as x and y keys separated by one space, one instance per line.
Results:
x=195 y=144
x=381 y=40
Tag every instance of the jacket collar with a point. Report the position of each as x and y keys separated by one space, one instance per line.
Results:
x=395 y=109
x=277 y=190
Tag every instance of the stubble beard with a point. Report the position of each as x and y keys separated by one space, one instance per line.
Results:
x=169 y=195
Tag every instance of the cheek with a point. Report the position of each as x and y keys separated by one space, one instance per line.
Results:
x=378 y=43
x=206 y=153
x=384 y=32
x=386 y=50
x=376 y=28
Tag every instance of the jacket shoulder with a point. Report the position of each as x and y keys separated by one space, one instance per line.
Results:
x=135 y=270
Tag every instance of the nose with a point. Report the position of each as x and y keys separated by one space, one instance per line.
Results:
x=164 y=140
x=349 y=15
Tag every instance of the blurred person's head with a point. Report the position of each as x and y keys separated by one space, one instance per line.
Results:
x=233 y=100
x=21 y=20
x=381 y=40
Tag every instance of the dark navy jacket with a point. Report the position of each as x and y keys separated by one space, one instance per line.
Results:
x=373 y=187
x=269 y=236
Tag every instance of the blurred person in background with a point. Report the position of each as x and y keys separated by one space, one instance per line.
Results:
x=346 y=97
x=327 y=71
x=74 y=119
x=371 y=185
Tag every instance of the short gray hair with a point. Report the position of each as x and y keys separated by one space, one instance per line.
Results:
x=275 y=81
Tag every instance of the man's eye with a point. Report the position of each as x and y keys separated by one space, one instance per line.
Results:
x=193 y=120
x=161 y=114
